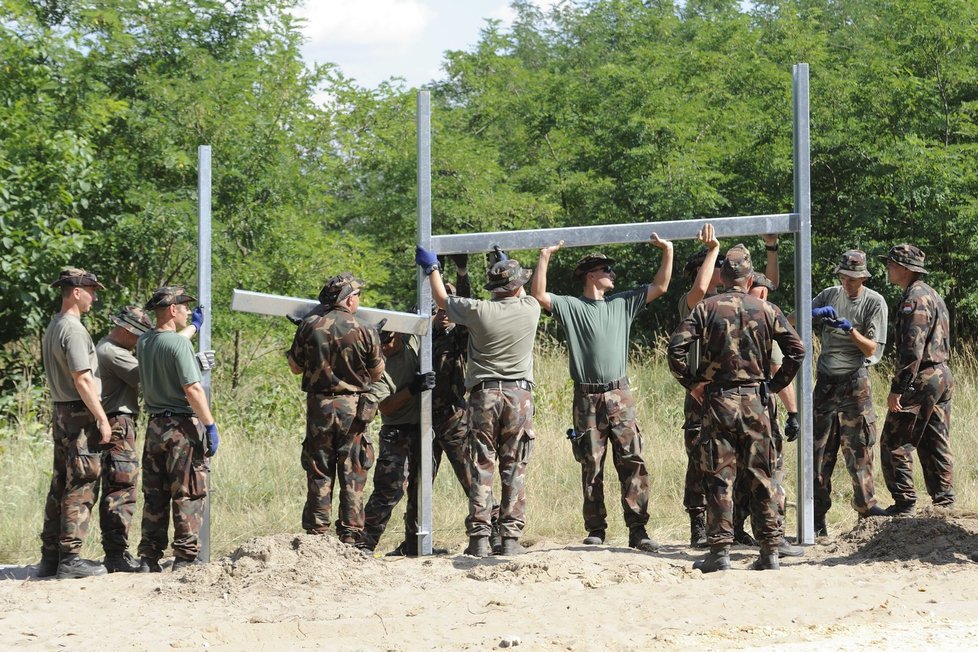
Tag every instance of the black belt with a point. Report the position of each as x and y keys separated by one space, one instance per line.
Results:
x=502 y=384
x=78 y=403
x=176 y=415
x=337 y=393
x=740 y=388
x=113 y=415
x=601 y=388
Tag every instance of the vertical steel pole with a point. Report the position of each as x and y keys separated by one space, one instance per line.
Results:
x=424 y=309
x=803 y=300
x=204 y=295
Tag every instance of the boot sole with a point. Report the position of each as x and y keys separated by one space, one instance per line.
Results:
x=75 y=575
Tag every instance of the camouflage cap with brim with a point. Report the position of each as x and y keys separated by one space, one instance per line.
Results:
x=76 y=277
x=907 y=256
x=853 y=264
x=506 y=276
x=737 y=263
x=339 y=288
x=133 y=319
x=169 y=295
x=695 y=261
x=590 y=262
x=763 y=281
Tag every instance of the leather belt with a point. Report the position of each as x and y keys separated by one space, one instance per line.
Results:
x=601 y=388
x=503 y=384
x=176 y=415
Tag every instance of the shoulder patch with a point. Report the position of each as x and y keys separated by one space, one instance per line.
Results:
x=906 y=307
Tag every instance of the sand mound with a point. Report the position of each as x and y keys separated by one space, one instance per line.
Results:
x=933 y=535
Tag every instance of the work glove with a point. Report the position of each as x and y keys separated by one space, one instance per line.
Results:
x=426 y=259
x=422 y=382
x=210 y=446
x=497 y=255
x=827 y=312
x=292 y=318
x=205 y=360
x=379 y=327
x=843 y=325
x=197 y=318
x=792 y=427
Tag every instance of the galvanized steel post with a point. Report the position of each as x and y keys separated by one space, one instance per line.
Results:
x=204 y=296
x=424 y=309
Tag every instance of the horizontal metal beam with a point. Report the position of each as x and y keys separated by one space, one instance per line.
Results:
x=279 y=306
x=592 y=236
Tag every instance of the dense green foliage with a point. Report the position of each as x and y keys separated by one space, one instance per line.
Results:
x=598 y=111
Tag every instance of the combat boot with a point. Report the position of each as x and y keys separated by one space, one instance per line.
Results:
x=179 y=564
x=875 y=510
x=594 y=538
x=639 y=539
x=511 y=547
x=478 y=547
x=768 y=560
x=743 y=537
x=74 y=567
x=820 y=529
x=697 y=531
x=901 y=509
x=48 y=566
x=785 y=549
x=149 y=565
x=495 y=537
x=121 y=562
x=717 y=560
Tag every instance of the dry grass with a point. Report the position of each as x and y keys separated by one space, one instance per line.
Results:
x=258 y=486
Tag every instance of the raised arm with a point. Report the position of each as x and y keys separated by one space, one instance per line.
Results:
x=701 y=285
x=660 y=283
x=538 y=283
x=771 y=271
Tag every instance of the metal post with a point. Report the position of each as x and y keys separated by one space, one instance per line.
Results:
x=424 y=309
x=204 y=295
x=803 y=300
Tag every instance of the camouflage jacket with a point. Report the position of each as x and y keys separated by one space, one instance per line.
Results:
x=923 y=334
x=448 y=357
x=736 y=331
x=336 y=353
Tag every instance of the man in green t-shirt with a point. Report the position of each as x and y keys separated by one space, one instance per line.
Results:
x=597 y=325
x=80 y=430
x=180 y=435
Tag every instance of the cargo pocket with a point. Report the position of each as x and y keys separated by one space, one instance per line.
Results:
x=304 y=455
x=366 y=408
x=197 y=482
x=123 y=468
x=85 y=462
x=869 y=432
x=365 y=454
x=525 y=446
x=578 y=446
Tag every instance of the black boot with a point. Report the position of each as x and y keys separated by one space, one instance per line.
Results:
x=820 y=529
x=742 y=537
x=149 y=565
x=511 y=547
x=767 y=561
x=639 y=539
x=74 y=567
x=901 y=509
x=697 y=531
x=478 y=547
x=875 y=510
x=495 y=537
x=785 y=549
x=717 y=560
x=121 y=562
x=180 y=563
x=48 y=566
x=594 y=538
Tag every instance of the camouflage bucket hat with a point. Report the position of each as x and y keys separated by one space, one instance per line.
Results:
x=168 y=295
x=760 y=280
x=506 y=276
x=695 y=260
x=908 y=256
x=133 y=319
x=737 y=263
x=853 y=264
x=339 y=288
x=591 y=261
x=75 y=277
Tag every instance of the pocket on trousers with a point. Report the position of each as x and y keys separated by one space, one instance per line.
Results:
x=123 y=469
x=366 y=408
x=197 y=482
x=304 y=455
x=366 y=453
x=579 y=446
x=525 y=446
x=869 y=432
x=85 y=462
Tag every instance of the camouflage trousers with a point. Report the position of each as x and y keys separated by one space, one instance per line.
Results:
x=738 y=441
x=74 y=479
x=120 y=471
x=844 y=417
x=694 y=490
x=500 y=427
x=175 y=477
x=452 y=441
x=336 y=447
x=925 y=426
x=600 y=418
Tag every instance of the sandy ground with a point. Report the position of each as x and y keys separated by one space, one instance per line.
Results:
x=890 y=583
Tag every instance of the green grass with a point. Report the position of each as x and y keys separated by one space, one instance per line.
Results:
x=258 y=486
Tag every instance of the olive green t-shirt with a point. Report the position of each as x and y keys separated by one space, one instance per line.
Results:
x=67 y=348
x=120 y=377
x=398 y=373
x=501 y=335
x=166 y=366
x=597 y=333
x=868 y=315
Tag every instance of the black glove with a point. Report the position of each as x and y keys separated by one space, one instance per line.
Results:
x=292 y=318
x=379 y=327
x=497 y=255
x=461 y=261
x=422 y=382
x=792 y=427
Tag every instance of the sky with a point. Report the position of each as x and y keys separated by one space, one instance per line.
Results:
x=374 y=40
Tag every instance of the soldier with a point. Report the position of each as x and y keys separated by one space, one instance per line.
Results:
x=736 y=331
x=80 y=429
x=180 y=434
x=853 y=334
x=597 y=326
x=499 y=378
x=338 y=358
x=920 y=395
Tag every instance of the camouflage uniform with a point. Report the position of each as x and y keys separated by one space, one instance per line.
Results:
x=924 y=382
x=736 y=331
x=337 y=356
